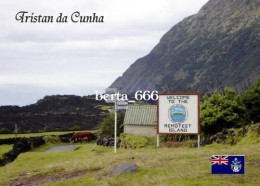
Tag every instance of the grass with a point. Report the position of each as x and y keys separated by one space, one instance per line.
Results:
x=5 y=149
x=46 y=146
x=3 y=136
x=104 y=107
x=136 y=141
x=165 y=166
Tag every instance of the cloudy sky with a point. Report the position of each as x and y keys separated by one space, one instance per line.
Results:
x=39 y=59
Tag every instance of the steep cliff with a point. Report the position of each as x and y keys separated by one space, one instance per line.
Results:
x=217 y=47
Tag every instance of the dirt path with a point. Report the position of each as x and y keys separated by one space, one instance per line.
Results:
x=41 y=179
x=62 y=148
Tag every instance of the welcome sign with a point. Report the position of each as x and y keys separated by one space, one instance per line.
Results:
x=178 y=114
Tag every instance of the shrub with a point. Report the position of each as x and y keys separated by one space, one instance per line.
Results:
x=252 y=135
x=252 y=102
x=222 y=111
x=107 y=125
x=4 y=130
x=52 y=139
x=46 y=128
x=129 y=141
x=190 y=143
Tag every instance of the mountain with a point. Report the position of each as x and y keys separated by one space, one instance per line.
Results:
x=217 y=47
x=54 y=113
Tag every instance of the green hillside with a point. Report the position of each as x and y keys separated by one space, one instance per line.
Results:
x=217 y=47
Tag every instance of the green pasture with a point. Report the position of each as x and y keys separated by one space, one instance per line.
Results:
x=5 y=149
x=164 y=166
x=2 y=136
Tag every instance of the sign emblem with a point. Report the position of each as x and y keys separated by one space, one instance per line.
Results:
x=178 y=113
x=236 y=165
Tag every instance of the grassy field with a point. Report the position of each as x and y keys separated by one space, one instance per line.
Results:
x=164 y=166
x=2 y=136
x=5 y=148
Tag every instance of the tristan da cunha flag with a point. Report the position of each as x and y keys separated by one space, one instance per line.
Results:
x=225 y=164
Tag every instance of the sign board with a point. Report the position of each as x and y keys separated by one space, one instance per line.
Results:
x=109 y=98
x=122 y=107
x=121 y=103
x=178 y=114
x=110 y=101
x=111 y=110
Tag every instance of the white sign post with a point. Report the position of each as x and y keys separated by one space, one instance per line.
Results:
x=198 y=141
x=119 y=105
x=115 y=127
x=178 y=114
x=158 y=141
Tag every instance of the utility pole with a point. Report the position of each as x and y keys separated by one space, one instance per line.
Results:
x=15 y=130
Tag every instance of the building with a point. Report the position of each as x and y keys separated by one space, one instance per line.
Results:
x=140 y=120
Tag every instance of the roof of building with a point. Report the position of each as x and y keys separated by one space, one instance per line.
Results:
x=140 y=115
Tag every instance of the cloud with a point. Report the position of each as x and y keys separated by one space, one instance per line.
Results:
x=69 y=58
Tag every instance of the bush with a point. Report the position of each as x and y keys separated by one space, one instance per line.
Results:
x=252 y=135
x=4 y=130
x=133 y=141
x=190 y=143
x=108 y=124
x=222 y=111
x=46 y=128
x=252 y=102
x=52 y=139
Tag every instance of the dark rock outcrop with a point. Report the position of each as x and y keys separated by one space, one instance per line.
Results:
x=8 y=141
x=105 y=141
x=20 y=146
x=54 y=113
x=65 y=138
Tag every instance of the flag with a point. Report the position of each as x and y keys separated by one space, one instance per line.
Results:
x=225 y=164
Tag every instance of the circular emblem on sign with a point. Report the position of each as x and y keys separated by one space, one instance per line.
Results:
x=178 y=113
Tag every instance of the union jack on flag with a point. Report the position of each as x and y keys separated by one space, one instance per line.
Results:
x=219 y=160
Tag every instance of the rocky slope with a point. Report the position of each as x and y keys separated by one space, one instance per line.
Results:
x=217 y=47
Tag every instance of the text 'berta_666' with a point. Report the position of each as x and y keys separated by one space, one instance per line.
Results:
x=227 y=164
x=178 y=113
